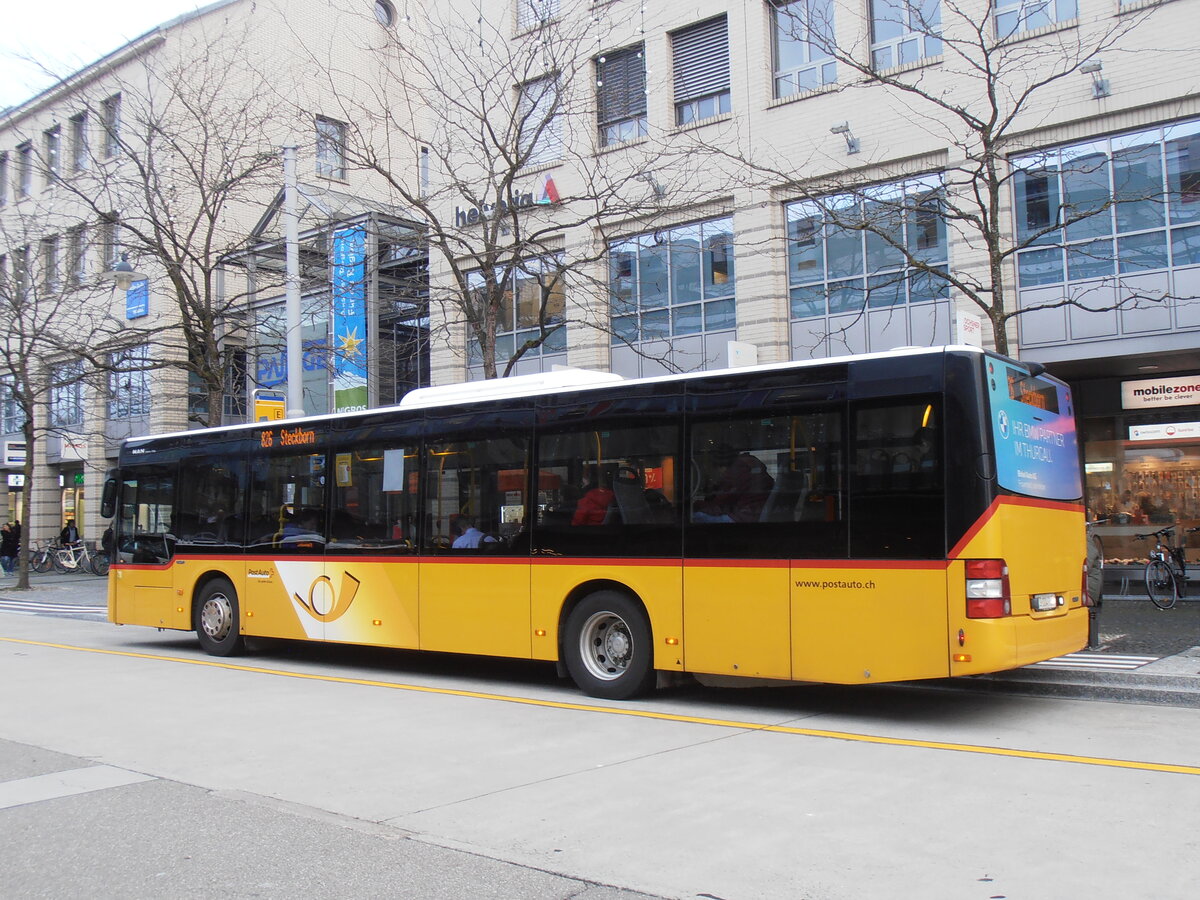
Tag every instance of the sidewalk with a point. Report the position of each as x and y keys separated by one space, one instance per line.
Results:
x=1144 y=654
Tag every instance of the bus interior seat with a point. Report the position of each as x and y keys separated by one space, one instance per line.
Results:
x=786 y=495
x=631 y=498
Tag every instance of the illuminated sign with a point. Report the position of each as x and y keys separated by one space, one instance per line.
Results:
x=1155 y=392
x=288 y=437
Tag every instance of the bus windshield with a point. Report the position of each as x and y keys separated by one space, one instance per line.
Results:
x=1033 y=428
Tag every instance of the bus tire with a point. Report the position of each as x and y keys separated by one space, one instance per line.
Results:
x=217 y=619
x=608 y=648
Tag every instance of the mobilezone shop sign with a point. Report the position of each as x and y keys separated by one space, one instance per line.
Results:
x=1158 y=392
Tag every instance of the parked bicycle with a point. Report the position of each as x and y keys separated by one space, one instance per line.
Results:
x=77 y=557
x=1166 y=570
x=41 y=557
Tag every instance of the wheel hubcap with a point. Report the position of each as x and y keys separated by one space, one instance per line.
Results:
x=216 y=616
x=606 y=646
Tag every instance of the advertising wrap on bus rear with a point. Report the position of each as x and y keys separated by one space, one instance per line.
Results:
x=1033 y=427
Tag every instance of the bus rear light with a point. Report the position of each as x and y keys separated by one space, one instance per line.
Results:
x=988 y=594
x=1085 y=593
x=961 y=657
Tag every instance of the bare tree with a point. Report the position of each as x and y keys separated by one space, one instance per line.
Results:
x=976 y=84
x=187 y=153
x=59 y=336
x=489 y=139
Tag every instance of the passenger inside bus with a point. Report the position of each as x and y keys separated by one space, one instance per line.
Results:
x=738 y=491
x=597 y=498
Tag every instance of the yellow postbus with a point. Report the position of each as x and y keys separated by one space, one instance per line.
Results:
x=905 y=515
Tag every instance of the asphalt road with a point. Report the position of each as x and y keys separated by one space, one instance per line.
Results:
x=330 y=771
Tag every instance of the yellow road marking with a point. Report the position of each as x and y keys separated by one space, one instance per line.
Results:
x=648 y=714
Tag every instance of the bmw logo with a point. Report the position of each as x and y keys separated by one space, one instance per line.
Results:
x=1002 y=419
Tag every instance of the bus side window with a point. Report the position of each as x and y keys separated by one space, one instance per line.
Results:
x=475 y=494
x=147 y=514
x=897 y=496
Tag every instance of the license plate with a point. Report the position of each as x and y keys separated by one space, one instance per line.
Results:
x=1044 y=602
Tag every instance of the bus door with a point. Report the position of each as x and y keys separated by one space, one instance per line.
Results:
x=881 y=614
x=145 y=550
x=746 y=492
x=474 y=568
x=288 y=593
x=371 y=568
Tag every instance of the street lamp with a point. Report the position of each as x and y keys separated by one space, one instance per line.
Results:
x=123 y=274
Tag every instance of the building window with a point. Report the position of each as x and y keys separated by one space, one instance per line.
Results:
x=904 y=31
x=50 y=266
x=3 y=179
x=129 y=383
x=51 y=141
x=539 y=126
x=701 y=59
x=850 y=251
x=1121 y=205
x=76 y=255
x=12 y=420
x=24 y=170
x=20 y=273
x=110 y=241
x=66 y=394
x=385 y=13
x=235 y=385
x=621 y=95
x=534 y=294
x=331 y=148
x=532 y=13
x=79 y=143
x=672 y=282
x=1019 y=16
x=110 y=112
x=803 y=32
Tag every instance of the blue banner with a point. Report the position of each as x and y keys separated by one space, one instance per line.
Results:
x=137 y=300
x=349 y=320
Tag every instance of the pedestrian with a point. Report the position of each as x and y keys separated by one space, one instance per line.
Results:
x=8 y=548
x=69 y=534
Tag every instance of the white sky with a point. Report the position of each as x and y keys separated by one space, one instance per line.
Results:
x=66 y=35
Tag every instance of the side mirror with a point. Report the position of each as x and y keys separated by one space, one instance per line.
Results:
x=108 y=500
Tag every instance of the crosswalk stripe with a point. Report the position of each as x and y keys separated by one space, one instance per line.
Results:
x=35 y=606
x=1102 y=661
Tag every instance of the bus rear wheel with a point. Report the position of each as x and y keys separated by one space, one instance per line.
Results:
x=217 y=622
x=607 y=646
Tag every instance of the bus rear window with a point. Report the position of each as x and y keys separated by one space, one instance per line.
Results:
x=1033 y=428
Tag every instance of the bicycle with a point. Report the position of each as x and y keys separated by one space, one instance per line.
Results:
x=1166 y=570
x=77 y=557
x=41 y=558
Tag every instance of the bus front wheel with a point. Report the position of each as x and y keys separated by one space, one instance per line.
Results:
x=607 y=646
x=217 y=623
